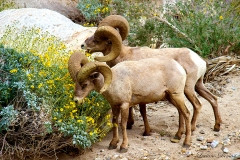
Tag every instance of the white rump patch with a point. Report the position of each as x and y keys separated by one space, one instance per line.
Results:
x=199 y=62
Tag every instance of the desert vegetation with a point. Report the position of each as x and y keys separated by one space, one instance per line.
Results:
x=37 y=113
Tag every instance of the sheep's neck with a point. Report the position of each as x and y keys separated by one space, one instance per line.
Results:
x=121 y=57
x=98 y=83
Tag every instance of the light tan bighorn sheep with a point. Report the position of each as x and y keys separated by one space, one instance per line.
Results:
x=104 y=40
x=133 y=82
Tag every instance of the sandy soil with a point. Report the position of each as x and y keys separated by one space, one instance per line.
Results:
x=163 y=118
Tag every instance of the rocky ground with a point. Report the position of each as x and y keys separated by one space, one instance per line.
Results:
x=163 y=118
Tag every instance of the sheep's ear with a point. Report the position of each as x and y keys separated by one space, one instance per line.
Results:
x=109 y=42
x=94 y=75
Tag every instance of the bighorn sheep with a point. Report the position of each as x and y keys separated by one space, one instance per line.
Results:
x=127 y=84
x=105 y=40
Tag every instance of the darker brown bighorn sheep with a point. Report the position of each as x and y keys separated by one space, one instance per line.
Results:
x=104 y=40
x=124 y=85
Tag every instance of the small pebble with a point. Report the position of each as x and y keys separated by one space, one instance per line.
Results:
x=214 y=143
x=189 y=153
x=209 y=140
x=184 y=150
x=226 y=142
x=200 y=138
x=235 y=156
x=217 y=134
x=224 y=149
x=202 y=132
x=203 y=147
x=198 y=145
x=144 y=137
x=174 y=140
x=115 y=156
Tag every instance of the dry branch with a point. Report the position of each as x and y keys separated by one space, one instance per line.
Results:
x=220 y=66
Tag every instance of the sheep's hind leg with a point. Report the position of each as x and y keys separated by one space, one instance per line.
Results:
x=115 y=139
x=205 y=93
x=145 y=120
x=192 y=97
x=130 y=121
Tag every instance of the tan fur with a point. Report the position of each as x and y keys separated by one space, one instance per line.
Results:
x=193 y=64
x=144 y=81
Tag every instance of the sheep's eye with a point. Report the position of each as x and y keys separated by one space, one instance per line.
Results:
x=84 y=86
x=95 y=41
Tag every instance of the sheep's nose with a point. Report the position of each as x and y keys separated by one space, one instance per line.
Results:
x=82 y=46
x=78 y=100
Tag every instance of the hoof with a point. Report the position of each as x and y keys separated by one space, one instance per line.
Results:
x=112 y=147
x=216 y=129
x=186 y=146
x=129 y=126
x=123 y=150
x=146 y=134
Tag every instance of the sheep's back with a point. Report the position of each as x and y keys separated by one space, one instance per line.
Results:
x=147 y=80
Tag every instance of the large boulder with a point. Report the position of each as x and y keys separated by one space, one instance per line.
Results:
x=47 y=20
x=66 y=7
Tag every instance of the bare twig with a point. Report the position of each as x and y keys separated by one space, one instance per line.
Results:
x=174 y=28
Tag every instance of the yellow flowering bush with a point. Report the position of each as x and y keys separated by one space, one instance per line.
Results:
x=35 y=69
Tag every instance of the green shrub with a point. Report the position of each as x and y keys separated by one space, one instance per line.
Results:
x=6 y=4
x=208 y=24
x=94 y=10
x=133 y=11
x=207 y=27
x=37 y=84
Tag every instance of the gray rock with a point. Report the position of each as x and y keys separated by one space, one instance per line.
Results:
x=203 y=147
x=188 y=153
x=202 y=132
x=214 y=143
x=217 y=134
x=225 y=149
x=226 y=142
x=200 y=138
x=235 y=156
x=66 y=7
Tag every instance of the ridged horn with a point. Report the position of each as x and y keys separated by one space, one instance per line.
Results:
x=75 y=62
x=112 y=34
x=91 y=67
x=117 y=21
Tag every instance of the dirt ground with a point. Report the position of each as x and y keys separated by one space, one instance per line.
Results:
x=163 y=118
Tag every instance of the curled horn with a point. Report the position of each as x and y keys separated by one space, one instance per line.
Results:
x=117 y=21
x=91 y=67
x=75 y=62
x=112 y=34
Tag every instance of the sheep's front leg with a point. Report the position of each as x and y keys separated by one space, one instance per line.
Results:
x=124 y=117
x=115 y=139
